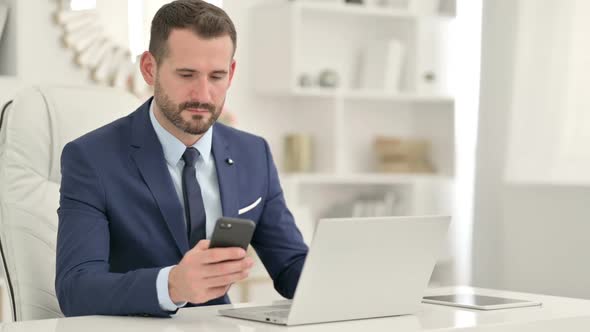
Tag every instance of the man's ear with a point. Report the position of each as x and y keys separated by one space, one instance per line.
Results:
x=148 y=67
x=232 y=69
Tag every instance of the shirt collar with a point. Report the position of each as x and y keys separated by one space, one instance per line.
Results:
x=173 y=147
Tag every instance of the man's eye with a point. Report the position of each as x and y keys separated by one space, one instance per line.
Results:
x=216 y=78
x=186 y=75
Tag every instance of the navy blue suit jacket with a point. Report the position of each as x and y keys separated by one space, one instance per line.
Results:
x=120 y=219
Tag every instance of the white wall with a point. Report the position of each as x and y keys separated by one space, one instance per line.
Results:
x=549 y=121
x=526 y=237
x=34 y=51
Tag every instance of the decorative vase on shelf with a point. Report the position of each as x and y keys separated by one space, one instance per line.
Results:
x=305 y=80
x=298 y=153
x=329 y=78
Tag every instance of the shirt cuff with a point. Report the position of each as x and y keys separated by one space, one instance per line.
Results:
x=162 y=289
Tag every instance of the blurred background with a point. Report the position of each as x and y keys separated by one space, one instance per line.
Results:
x=472 y=108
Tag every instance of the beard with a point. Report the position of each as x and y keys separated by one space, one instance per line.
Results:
x=197 y=125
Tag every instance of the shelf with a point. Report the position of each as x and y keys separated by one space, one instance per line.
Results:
x=361 y=179
x=361 y=10
x=355 y=9
x=550 y=182
x=353 y=95
x=403 y=97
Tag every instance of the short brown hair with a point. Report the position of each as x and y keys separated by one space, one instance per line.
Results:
x=204 y=19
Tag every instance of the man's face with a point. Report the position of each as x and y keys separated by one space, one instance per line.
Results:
x=192 y=80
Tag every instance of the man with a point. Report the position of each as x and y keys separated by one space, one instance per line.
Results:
x=139 y=193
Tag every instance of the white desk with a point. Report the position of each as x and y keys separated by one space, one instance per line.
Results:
x=556 y=314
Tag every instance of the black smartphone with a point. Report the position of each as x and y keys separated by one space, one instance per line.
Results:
x=232 y=232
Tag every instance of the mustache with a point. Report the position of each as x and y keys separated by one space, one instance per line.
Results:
x=197 y=105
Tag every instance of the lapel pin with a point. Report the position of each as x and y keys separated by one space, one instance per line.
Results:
x=229 y=161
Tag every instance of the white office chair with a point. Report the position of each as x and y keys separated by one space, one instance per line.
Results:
x=33 y=132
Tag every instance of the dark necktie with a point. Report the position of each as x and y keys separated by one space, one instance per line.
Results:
x=193 y=200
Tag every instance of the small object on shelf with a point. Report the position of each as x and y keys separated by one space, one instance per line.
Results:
x=397 y=155
x=329 y=78
x=298 y=153
x=305 y=80
x=356 y=2
x=375 y=205
x=429 y=76
x=429 y=82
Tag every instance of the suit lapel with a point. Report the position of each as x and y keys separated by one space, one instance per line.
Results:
x=149 y=158
x=227 y=174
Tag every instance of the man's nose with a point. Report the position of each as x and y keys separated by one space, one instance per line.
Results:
x=201 y=91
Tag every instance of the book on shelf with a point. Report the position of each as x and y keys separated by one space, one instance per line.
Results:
x=402 y=155
x=381 y=66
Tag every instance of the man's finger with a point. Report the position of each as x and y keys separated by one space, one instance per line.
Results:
x=227 y=279
x=213 y=293
x=224 y=268
x=217 y=255
x=202 y=245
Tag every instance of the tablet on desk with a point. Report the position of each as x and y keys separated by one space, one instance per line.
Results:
x=481 y=302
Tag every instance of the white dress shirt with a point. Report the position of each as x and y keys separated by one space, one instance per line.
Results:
x=206 y=175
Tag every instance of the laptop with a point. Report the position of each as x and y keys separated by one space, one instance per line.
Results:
x=360 y=268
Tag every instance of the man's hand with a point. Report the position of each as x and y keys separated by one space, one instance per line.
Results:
x=204 y=274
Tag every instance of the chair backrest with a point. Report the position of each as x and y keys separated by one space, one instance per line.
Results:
x=34 y=130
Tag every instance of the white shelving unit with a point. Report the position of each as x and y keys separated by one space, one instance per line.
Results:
x=291 y=38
